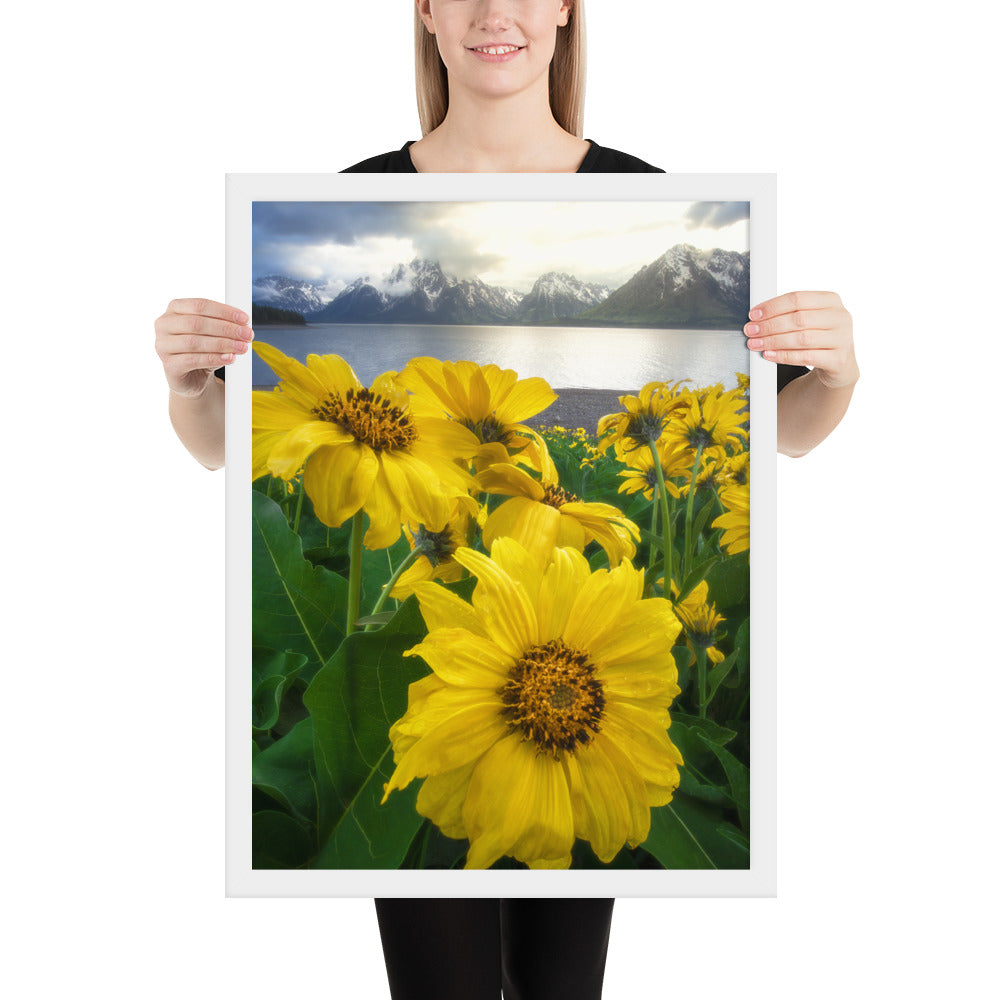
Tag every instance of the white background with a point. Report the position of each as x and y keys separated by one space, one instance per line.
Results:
x=121 y=122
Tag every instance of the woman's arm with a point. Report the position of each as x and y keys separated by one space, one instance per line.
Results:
x=807 y=411
x=200 y=423
x=807 y=328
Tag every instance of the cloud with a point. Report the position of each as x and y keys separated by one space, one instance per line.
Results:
x=716 y=214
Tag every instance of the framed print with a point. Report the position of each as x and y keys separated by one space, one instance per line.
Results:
x=495 y=588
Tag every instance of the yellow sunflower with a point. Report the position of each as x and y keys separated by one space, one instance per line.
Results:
x=736 y=520
x=736 y=471
x=640 y=476
x=643 y=421
x=545 y=718
x=700 y=620
x=710 y=419
x=541 y=515
x=362 y=449
x=710 y=473
x=438 y=548
x=492 y=402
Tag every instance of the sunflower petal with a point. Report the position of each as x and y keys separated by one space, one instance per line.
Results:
x=440 y=799
x=303 y=385
x=461 y=738
x=334 y=372
x=608 y=796
x=383 y=515
x=501 y=602
x=338 y=481
x=518 y=804
x=465 y=660
x=525 y=399
x=289 y=455
x=414 y=487
x=274 y=411
x=563 y=579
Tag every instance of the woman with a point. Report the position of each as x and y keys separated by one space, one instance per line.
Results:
x=500 y=89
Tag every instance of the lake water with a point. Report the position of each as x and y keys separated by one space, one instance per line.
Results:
x=566 y=357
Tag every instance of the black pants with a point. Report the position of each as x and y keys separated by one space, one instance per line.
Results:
x=466 y=949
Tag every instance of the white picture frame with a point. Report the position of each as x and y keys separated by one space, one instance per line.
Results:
x=760 y=879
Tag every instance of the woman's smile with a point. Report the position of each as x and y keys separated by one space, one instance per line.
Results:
x=495 y=53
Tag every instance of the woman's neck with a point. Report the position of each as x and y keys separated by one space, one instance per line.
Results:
x=516 y=134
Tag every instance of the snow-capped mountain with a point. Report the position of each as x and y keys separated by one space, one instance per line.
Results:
x=420 y=292
x=555 y=295
x=290 y=293
x=684 y=287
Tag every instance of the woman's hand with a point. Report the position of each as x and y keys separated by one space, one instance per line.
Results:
x=196 y=336
x=806 y=328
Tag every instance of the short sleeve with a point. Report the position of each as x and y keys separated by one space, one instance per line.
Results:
x=788 y=373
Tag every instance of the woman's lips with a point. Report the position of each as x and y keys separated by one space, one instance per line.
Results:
x=496 y=53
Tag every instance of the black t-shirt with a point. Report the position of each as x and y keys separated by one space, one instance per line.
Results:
x=599 y=160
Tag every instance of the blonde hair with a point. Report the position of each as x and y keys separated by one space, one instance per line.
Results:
x=567 y=75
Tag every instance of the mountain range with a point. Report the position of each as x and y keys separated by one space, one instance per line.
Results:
x=683 y=288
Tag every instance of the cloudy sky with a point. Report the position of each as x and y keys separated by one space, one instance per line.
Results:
x=504 y=243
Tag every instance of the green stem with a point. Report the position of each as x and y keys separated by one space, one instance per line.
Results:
x=354 y=578
x=699 y=654
x=387 y=589
x=692 y=489
x=652 y=525
x=668 y=545
x=298 y=510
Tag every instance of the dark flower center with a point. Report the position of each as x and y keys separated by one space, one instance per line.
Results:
x=370 y=418
x=489 y=430
x=554 y=698
x=699 y=436
x=556 y=497
x=438 y=546
x=644 y=428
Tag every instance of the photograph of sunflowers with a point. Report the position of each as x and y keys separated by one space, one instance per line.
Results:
x=500 y=535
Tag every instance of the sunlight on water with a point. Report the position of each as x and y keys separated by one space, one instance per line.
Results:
x=566 y=357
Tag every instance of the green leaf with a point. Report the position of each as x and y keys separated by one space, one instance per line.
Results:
x=584 y=857
x=296 y=606
x=742 y=648
x=698 y=573
x=701 y=790
x=439 y=851
x=711 y=731
x=718 y=673
x=707 y=507
x=279 y=841
x=738 y=776
x=353 y=700
x=687 y=834
x=729 y=580
x=273 y=672
x=382 y=618
x=284 y=770
x=369 y=834
x=673 y=843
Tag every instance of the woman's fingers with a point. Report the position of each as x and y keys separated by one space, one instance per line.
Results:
x=806 y=328
x=189 y=343
x=794 y=321
x=792 y=302
x=207 y=308
x=196 y=336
